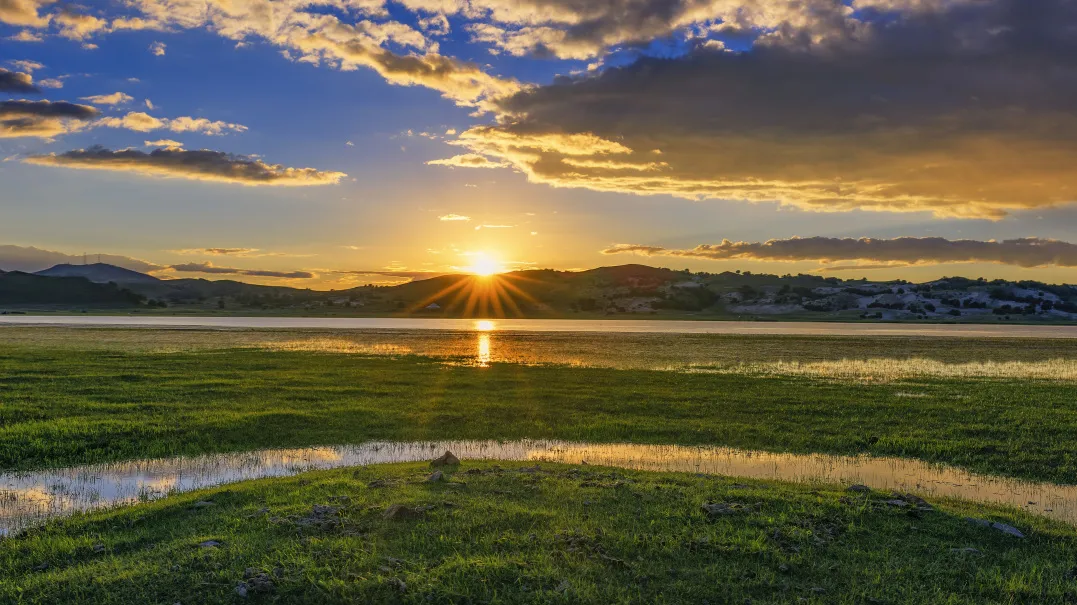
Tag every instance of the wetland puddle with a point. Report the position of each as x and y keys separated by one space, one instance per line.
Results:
x=31 y=497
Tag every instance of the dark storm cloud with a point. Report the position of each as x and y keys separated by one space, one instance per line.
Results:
x=42 y=119
x=13 y=81
x=965 y=109
x=1024 y=252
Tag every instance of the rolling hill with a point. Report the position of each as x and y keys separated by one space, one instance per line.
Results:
x=17 y=288
x=101 y=273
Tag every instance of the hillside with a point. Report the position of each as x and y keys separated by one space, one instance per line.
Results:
x=618 y=291
x=101 y=273
x=17 y=288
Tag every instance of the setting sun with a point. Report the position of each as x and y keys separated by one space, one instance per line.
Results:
x=483 y=264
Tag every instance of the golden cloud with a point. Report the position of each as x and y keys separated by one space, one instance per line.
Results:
x=201 y=165
x=902 y=251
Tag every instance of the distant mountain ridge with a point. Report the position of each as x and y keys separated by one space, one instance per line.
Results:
x=603 y=291
x=101 y=273
x=18 y=288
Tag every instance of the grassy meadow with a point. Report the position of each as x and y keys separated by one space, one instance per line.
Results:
x=558 y=534
x=547 y=534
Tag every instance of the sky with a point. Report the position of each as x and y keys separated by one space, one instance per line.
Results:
x=335 y=143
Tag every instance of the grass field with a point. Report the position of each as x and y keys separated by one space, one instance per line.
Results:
x=555 y=534
x=63 y=406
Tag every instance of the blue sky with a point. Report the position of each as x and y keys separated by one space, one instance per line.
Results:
x=560 y=128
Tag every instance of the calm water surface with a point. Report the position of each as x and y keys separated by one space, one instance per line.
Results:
x=552 y=325
x=31 y=497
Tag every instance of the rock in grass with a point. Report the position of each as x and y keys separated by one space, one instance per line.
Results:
x=1002 y=527
x=859 y=489
x=965 y=551
x=719 y=509
x=446 y=459
x=435 y=477
x=401 y=512
x=209 y=544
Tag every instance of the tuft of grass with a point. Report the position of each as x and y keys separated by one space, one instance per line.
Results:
x=549 y=534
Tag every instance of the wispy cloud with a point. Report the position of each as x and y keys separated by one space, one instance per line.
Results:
x=454 y=217
x=902 y=251
x=210 y=268
x=116 y=98
x=203 y=165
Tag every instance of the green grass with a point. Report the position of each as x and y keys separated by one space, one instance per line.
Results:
x=554 y=535
x=62 y=407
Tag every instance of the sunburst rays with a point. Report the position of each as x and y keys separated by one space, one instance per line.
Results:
x=497 y=295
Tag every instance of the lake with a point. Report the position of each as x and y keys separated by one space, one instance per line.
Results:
x=646 y=326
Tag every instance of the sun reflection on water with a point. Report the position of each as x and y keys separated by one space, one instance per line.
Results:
x=484 y=351
x=485 y=325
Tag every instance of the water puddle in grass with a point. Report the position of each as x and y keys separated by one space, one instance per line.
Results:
x=31 y=497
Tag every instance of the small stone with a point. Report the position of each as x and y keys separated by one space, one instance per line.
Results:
x=399 y=511
x=203 y=504
x=1002 y=527
x=446 y=459
x=241 y=589
x=435 y=477
x=965 y=551
x=209 y=544
x=818 y=590
x=1008 y=529
x=897 y=503
x=718 y=509
x=41 y=567
x=859 y=489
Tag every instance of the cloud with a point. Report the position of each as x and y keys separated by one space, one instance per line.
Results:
x=163 y=143
x=42 y=119
x=902 y=251
x=116 y=98
x=26 y=35
x=13 y=81
x=23 y=12
x=318 y=37
x=29 y=259
x=468 y=160
x=454 y=217
x=214 y=269
x=143 y=122
x=27 y=66
x=959 y=109
x=221 y=251
x=78 y=26
x=158 y=49
x=201 y=165
x=52 y=82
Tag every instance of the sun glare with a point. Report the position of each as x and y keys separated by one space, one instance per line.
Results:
x=483 y=264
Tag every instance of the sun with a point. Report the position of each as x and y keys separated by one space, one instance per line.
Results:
x=483 y=264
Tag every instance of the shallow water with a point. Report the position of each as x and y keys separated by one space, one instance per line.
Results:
x=29 y=498
x=789 y=328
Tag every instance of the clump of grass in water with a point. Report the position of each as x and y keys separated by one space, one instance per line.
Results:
x=893 y=370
